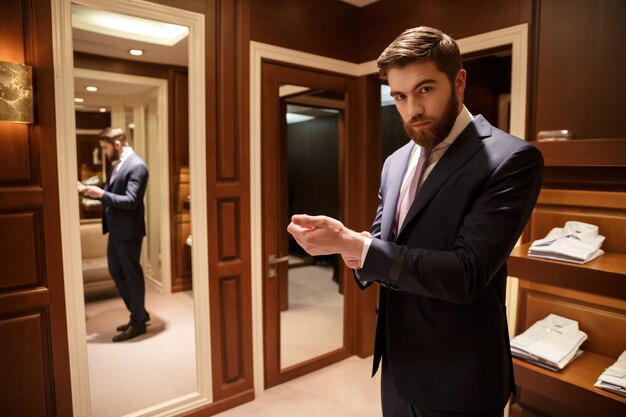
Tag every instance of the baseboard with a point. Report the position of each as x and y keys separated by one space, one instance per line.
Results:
x=222 y=405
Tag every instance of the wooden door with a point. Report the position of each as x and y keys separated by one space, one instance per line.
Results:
x=305 y=169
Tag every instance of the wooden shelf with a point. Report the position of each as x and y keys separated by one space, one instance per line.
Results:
x=605 y=275
x=584 y=152
x=575 y=383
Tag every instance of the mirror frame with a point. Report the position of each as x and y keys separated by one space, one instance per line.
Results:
x=70 y=235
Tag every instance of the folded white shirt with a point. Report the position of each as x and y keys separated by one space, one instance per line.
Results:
x=553 y=341
x=614 y=377
x=576 y=242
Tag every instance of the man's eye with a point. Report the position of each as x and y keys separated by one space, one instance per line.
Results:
x=399 y=97
x=424 y=90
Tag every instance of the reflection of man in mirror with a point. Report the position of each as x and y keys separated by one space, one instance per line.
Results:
x=453 y=202
x=123 y=219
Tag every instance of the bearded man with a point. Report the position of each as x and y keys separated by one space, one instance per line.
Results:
x=123 y=219
x=453 y=202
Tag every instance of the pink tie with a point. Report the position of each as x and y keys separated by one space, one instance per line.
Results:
x=407 y=199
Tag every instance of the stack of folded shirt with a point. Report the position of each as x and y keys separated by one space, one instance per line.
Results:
x=614 y=377
x=551 y=343
x=576 y=242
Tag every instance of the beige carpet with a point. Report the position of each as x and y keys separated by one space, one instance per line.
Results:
x=313 y=324
x=344 y=389
x=160 y=365
x=150 y=369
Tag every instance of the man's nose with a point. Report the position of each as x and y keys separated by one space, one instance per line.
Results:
x=415 y=107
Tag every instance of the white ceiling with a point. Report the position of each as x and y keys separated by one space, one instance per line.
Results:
x=115 y=47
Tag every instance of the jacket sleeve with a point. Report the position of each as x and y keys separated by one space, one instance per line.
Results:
x=135 y=189
x=488 y=232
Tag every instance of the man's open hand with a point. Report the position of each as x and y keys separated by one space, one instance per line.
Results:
x=322 y=235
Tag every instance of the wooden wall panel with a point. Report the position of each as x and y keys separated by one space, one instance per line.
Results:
x=228 y=187
x=322 y=27
x=381 y=22
x=20 y=244
x=578 y=44
x=230 y=312
x=15 y=167
x=24 y=358
x=229 y=235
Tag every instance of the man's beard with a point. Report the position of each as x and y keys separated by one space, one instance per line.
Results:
x=432 y=136
x=114 y=157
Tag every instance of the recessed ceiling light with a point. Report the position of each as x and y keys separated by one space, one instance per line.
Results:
x=103 y=110
x=91 y=88
x=127 y=27
x=136 y=52
x=79 y=100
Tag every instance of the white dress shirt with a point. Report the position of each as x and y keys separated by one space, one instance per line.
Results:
x=462 y=120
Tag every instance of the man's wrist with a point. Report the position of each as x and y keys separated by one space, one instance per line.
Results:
x=353 y=245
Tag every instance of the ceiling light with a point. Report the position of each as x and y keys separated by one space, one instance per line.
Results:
x=91 y=88
x=79 y=100
x=103 y=110
x=136 y=52
x=127 y=27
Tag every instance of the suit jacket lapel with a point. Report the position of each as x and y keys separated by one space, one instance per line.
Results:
x=396 y=174
x=463 y=148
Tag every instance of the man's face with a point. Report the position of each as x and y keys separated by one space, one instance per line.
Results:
x=426 y=100
x=112 y=152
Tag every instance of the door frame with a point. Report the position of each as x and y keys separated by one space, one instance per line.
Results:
x=70 y=234
x=516 y=36
x=274 y=131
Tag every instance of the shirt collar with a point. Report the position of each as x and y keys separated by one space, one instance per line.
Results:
x=126 y=152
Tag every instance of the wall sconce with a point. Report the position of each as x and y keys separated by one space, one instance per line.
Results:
x=16 y=93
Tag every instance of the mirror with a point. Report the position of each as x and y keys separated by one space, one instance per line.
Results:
x=311 y=302
x=133 y=93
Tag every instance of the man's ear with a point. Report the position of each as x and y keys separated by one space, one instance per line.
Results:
x=459 y=83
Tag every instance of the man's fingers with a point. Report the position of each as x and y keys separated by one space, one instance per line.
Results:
x=366 y=234
x=309 y=222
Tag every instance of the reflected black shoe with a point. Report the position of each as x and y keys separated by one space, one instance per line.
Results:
x=123 y=327
x=129 y=333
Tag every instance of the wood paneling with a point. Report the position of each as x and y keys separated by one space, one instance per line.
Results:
x=229 y=246
x=15 y=167
x=230 y=311
x=381 y=22
x=228 y=181
x=322 y=27
x=368 y=151
x=20 y=245
x=578 y=44
x=34 y=361
x=25 y=364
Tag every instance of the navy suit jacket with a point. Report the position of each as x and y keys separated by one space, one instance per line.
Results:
x=442 y=324
x=123 y=208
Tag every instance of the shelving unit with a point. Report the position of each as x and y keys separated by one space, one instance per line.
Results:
x=585 y=180
x=605 y=275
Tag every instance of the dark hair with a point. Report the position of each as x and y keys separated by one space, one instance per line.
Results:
x=422 y=44
x=112 y=134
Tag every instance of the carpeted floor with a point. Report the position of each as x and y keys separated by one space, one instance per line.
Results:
x=150 y=369
x=160 y=365
x=313 y=323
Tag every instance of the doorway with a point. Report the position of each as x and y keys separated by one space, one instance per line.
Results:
x=306 y=133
